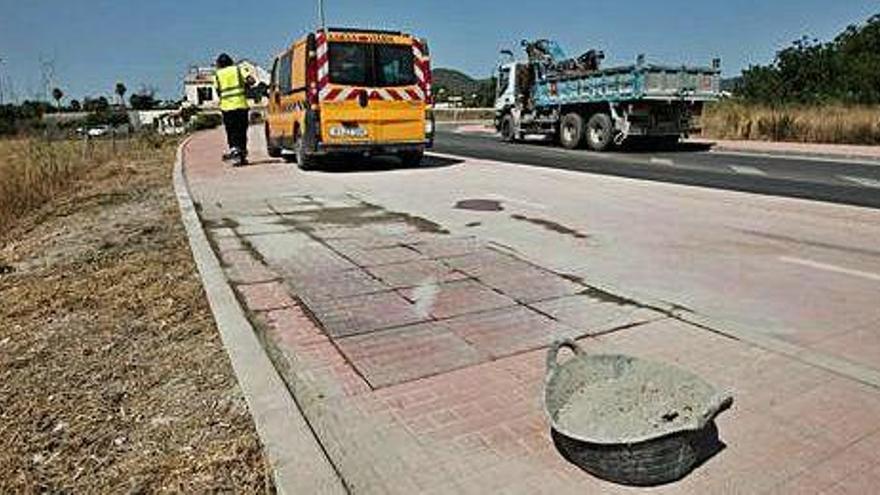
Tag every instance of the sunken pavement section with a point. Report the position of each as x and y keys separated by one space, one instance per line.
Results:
x=397 y=295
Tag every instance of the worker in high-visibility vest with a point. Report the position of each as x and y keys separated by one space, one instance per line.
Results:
x=232 y=82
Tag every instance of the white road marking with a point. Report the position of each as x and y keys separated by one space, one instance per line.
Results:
x=662 y=161
x=746 y=170
x=505 y=199
x=807 y=158
x=830 y=268
x=862 y=181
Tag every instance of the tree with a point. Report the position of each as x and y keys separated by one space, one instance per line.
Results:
x=845 y=70
x=95 y=105
x=120 y=92
x=57 y=95
x=145 y=99
x=75 y=106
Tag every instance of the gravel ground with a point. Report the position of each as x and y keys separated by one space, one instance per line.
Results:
x=112 y=374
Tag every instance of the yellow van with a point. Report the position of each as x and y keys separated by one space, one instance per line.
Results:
x=351 y=91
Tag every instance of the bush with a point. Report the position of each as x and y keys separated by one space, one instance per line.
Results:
x=838 y=124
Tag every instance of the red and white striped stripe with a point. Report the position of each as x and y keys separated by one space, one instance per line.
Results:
x=330 y=93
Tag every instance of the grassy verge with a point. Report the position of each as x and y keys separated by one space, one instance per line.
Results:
x=34 y=169
x=112 y=374
x=832 y=124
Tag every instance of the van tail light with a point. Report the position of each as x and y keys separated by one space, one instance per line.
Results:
x=312 y=69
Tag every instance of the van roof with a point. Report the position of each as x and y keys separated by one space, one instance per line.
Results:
x=361 y=30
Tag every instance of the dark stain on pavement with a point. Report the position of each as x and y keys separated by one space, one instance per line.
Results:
x=551 y=226
x=226 y=222
x=473 y=224
x=479 y=205
x=603 y=296
x=358 y=216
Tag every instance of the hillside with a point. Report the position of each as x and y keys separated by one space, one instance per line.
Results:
x=456 y=82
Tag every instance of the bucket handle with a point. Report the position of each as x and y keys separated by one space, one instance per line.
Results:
x=553 y=353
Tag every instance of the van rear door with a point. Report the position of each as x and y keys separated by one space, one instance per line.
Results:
x=396 y=96
x=346 y=114
x=374 y=93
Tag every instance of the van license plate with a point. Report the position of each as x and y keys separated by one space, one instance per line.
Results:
x=348 y=131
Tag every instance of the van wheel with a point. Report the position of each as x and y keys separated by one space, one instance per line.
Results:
x=303 y=159
x=508 y=133
x=272 y=148
x=412 y=158
x=571 y=131
x=599 y=132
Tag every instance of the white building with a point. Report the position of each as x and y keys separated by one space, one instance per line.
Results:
x=199 y=92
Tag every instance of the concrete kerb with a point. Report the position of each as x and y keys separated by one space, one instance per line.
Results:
x=298 y=462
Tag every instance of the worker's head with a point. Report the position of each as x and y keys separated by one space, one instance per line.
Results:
x=224 y=61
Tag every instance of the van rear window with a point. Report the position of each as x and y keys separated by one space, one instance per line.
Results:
x=371 y=65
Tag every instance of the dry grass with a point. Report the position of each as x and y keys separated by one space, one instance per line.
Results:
x=32 y=170
x=824 y=124
x=113 y=378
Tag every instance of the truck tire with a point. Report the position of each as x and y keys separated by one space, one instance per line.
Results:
x=412 y=159
x=600 y=132
x=508 y=133
x=571 y=131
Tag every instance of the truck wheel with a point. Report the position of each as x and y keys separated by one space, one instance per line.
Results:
x=508 y=133
x=599 y=132
x=571 y=131
x=304 y=160
x=412 y=159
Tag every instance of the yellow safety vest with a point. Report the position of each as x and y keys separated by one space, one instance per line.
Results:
x=231 y=88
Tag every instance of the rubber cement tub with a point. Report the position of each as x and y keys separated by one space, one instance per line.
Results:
x=629 y=420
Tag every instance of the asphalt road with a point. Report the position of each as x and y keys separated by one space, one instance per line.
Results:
x=835 y=181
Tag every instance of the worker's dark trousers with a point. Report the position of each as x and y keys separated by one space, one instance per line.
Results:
x=236 y=124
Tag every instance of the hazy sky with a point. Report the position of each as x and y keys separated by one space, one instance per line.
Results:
x=93 y=43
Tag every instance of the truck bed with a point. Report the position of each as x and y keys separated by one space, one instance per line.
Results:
x=630 y=83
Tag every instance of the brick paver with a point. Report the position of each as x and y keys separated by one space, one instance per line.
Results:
x=507 y=331
x=266 y=296
x=530 y=285
x=364 y=314
x=242 y=268
x=456 y=298
x=590 y=316
x=336 y=285
x=416 y=273
x=449 y=247
x=408 y=353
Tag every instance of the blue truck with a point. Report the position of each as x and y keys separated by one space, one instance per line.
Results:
x=576 y=102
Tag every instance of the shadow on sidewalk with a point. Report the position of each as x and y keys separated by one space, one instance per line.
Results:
x=359 y=164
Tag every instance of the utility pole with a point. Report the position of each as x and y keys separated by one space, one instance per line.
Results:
x=2 y=99
x=321 y=15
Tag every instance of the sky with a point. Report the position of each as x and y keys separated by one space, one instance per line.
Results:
x=86 y=46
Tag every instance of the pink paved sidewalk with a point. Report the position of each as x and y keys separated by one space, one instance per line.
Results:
x=401 y=412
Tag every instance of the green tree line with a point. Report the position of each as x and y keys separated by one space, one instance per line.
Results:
x=845 y=70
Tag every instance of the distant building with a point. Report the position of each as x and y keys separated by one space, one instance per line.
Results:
x=199 y=92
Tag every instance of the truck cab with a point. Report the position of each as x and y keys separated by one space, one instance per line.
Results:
x=351 y=91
